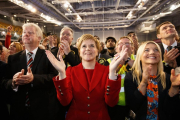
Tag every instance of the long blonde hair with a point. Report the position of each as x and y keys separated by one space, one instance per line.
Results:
x=137 y=66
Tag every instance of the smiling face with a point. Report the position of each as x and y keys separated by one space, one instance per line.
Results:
x=67 y=35
x=12 y=49
x=127 y=43
x=167 y=31
x=150 y=55
x=88 y=50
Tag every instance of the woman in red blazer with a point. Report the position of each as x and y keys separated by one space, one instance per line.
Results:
x=89 y=86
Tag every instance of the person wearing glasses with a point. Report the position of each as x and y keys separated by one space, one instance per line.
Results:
x=121 y=110
x=134 y=38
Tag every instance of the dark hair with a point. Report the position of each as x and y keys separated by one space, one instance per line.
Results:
x=49 y=33
x=130 y=33
x=158 y=27
x=19 y=39
x=110 y=38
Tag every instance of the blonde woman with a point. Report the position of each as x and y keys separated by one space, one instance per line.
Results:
x=150 y=92
x=15 y=47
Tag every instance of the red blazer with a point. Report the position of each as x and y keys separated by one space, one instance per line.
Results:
x=89 y=102
x=7 y=41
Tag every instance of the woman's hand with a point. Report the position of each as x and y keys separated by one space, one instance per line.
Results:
x=118 y=59
x=146 y=74
x=58 y=65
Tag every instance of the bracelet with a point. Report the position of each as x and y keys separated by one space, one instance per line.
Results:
x=127 y=60
x=166 y=64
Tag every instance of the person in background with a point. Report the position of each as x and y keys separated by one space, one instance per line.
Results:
x=97 y=37
x=134 y=38
x=8 y=36
x=102 y=58
x=89 y=86
x=21 y=42
x=77 y=42
x=29 y=79
x=110 y=44
x=169 y=47
x=15 y=47
x=3 y=100
x=150 y=92
x=45 y=43
x=122 y=110
x=69 y=53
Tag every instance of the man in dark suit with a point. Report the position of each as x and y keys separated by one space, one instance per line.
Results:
x=169 y=47
x=3 y=102
x=69 y=53
x=29 y=78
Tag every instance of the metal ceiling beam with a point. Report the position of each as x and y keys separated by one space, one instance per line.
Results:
x=92 y=3
x=117 y=4
x=105 y=12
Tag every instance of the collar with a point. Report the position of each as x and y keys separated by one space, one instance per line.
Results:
x=173 y=45
x=34 y=51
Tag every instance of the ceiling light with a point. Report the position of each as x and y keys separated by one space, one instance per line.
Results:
x=173 y=7
x=33 y=10
x=44 y=26
x=15 y=15
x=37 y=23
x=3 y=32
x=66 y=5
x=27 y=20
x=4 y=16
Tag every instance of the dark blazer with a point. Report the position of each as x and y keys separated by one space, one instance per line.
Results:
x=168 y=107
x=103 y=59
x=3 y=100
x=42 y=94
x=89 y=101
x=167 y=69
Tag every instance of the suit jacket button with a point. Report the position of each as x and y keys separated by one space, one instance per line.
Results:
x=59 y=86
x=62 y=93
x=60 y=90
x=88 y=112
x=108 y=89
x=88 y=105
x=107 y=93
x=108 y=86
x=88 y=97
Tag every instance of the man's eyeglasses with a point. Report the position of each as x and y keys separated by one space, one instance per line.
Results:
x=127 y=44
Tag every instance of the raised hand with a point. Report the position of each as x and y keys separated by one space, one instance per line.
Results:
x=58 y=65
x=146 y=74
x=60 y=52
x=175 y=83
x=171 y=55
x=9 y=28
x=65 y=46
x=118 y=59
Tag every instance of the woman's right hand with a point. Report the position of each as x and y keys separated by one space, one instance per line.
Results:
x=58 y=65
x=146 y=75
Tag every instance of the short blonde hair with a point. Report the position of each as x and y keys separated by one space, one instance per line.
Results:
x=137 y=66
x=126 y=38
x=68 y=28
x=87 y=37
x=19 y=47
x=37 y=28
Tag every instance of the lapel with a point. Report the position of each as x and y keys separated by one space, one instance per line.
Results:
x=23 y=61
x=81 y=76
x=97 y=76
x=162 y=50
x=37 y=58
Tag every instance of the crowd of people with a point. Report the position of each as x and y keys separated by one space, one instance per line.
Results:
x=50 y=79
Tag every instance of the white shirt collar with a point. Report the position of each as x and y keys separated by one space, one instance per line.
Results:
x=34 y=52
x=173 y=45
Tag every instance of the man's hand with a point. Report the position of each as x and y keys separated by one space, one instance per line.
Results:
x=65 y=47
x=25 y=79
x=16 y=76
x=171 y=55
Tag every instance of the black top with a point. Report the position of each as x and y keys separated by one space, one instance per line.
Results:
x=168 y=107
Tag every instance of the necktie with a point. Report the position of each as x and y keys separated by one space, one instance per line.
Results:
x=169 y=48
x=29 y=64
